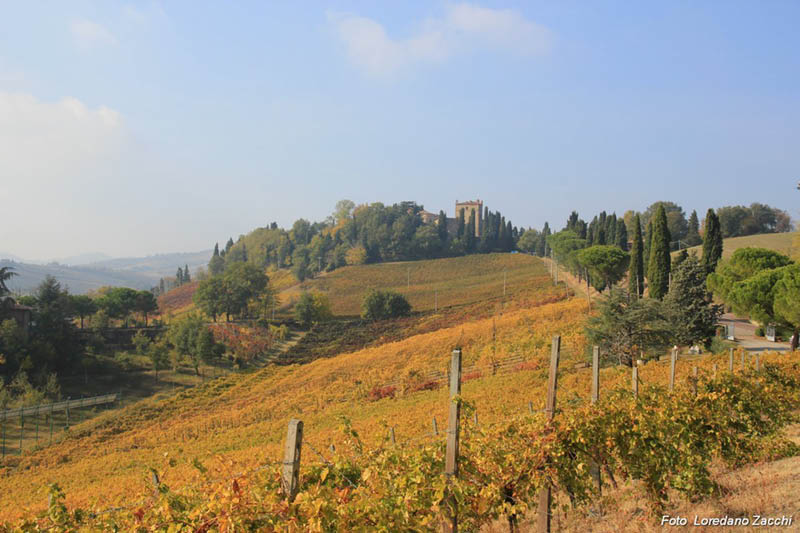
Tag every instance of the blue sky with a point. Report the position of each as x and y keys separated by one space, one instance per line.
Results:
x=147 y=127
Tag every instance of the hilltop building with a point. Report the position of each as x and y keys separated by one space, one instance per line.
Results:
x=469 y=208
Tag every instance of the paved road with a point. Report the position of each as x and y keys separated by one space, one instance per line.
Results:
x=745 y=334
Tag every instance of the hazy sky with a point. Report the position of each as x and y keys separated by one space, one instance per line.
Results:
x=149 y=127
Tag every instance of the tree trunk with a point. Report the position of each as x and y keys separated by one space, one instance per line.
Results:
x=795 y=339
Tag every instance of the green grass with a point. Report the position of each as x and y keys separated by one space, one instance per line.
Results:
x=426 y=284
x=780 y=242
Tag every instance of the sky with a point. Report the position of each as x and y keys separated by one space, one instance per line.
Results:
x=152 y=127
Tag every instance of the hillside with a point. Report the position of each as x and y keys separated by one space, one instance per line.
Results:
x=427 y=284
x=780 y=242
x=241 y=419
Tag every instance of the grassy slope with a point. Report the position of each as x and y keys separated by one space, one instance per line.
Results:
x=457 y=280
x=240 y=420
x=780 y=242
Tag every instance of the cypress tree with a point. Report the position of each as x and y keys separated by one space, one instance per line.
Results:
x=712 y=242
x=636 y=267
x=461 y=225
x=509 y=237
x=229 y=245
x=658 y=264
x=186 y=276
x=469 y=236
x=544 y=247
x=611 y=229
x=216 y=249
x=693 y=234
x=179 y=276
x=441 y=227
x=647 y=235
x=621 y=235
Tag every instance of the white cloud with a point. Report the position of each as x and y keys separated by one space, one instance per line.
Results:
x=372 y=49
x=502 y=26
x=88 y=34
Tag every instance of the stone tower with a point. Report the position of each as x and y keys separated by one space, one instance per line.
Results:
x=471 y=207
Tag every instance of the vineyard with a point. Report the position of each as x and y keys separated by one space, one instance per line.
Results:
x=665 y=440
x=430 y=284
x=242 y=418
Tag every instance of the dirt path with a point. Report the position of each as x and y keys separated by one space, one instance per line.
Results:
x=572 y=281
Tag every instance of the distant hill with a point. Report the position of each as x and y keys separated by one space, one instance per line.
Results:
x=160 y=265
x=133 y=272
x=780 y=242
x=79 y=279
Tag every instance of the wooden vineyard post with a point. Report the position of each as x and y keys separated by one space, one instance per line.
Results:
x=21 y=430
x=451 y=457
x=635 y=381
x=672 y=362
x=545 y=496
x=38 y=408
x=595 y=374
x=714 y=376
x=730 y=361
x=595 y=468
x=475 y=418
x=758 y=362
x=743 y=361
x=51 y=423
x=694 y=380
x=530 y=407
x=66 y=421
x=391 y=435
x=435 y=427
x=4 y=435
x=291 y=459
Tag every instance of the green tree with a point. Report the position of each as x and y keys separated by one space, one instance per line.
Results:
x=621 y=235
x=693 y=232
x=184 y=334
x=441 y=227
x=469 y=235
x=83 y=306
x=636 y=270
x=658 y=266
x=312 y=308
x=605 y=264
x=627 y=327
x=691 y=314
x=145 y=304
x=712 y=242
x=529 y=241
x=460 y=228
x=216 y=264
x=544 y=246
x=158 y=353
x=210 y=296
x=382 y=305
x=6 y=273
x=787 y=301
x=743 y=264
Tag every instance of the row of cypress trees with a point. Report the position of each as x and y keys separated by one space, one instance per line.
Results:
x=651 y=259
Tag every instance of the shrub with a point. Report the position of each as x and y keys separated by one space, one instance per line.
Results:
x=141 y=342
x=760 y=331
x=380 y=305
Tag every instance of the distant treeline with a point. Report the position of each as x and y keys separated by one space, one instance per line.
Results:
x=362 y=234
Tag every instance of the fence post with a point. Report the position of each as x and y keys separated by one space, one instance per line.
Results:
x=595 y=374
x=594 y=467
x=435 y=427
x=66 y=422
x=21 y=427
x=38 y=407
x=291 y=459
x=672 y=362
x=694 y=380
x=391 y=435
x=545 y=495
x=51 y=423
x=758 y=362
x=715 y=371
x=451 y=457
x=730 y=362
x=475 y=417
x=635 y=381
x=530 y=407
x=4 y=435
x=743 y=361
